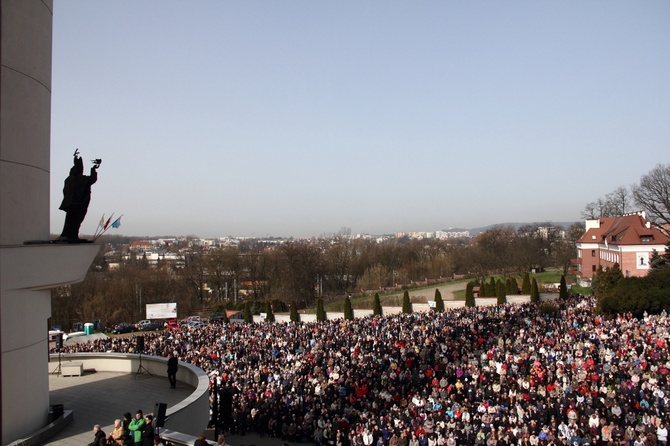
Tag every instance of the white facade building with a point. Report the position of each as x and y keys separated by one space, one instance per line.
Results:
x=28 y=271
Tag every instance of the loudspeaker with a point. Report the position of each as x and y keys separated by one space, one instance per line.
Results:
x=159 y=414
x=59 y=340
x=226 y=404
x=140 y=344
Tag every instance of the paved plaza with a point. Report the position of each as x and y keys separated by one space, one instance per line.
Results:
x=102 y=397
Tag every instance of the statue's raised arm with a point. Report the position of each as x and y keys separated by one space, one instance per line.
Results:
x=76 y=197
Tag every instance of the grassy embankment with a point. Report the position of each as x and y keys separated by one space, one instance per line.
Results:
x=395 y=298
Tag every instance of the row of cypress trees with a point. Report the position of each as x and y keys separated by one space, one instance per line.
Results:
x=493 y=288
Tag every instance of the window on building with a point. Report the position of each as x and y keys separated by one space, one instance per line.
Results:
x=593 y=268
x=593 y=253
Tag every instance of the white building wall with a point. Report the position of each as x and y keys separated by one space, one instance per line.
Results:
x=27 y=272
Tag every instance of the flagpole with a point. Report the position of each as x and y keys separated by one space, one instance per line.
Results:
x=109 y=226
x=104 y=227
x=100 y=223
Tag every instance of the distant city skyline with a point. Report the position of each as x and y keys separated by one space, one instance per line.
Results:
x=444 y=232
x=300 y=118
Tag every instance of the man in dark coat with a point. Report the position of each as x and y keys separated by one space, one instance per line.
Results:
x=172 y=366
x=76 y=197
x=100 y=437
x=148 y=433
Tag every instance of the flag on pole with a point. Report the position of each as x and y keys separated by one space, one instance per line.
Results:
x=105 y=225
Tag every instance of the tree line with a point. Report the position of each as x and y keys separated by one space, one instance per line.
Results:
x=296 y=274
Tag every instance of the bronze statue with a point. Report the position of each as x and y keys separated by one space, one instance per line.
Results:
x=76 y=197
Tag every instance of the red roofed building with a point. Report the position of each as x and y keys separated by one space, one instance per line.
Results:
x=628 y=240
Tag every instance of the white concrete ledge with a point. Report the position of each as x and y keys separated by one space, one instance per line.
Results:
x=190 y=416
x=47 y=432
x=58 y=264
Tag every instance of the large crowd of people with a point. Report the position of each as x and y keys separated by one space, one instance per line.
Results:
x=498 y=375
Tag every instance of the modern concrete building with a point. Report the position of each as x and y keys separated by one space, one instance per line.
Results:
x=27 y=271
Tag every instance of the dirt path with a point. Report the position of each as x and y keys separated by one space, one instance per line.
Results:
x=428 y=294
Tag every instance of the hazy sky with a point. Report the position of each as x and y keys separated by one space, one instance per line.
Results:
x=298 y=118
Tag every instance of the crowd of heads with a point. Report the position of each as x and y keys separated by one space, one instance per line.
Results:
x=497 y=375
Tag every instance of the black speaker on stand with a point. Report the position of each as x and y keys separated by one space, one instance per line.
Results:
x=140 y=348
x=226 y=404
x=159 y=416
x=59 y=346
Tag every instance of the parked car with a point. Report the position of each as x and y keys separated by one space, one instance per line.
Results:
x=172 y=326
x=191 y=319
x=192 y=325
x=218 y=319
x=152 y=326
x=140 y=325
x=123 y=327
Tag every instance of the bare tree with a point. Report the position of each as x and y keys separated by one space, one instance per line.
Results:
x=295 y=271
x=374 y=278
x=496 y=244
x=615 y=204
x=193 y=274
x=619 y=201
x=223 y=266
x=653 y=195
x=597 y=209
x=565 y=248
x=339 y=260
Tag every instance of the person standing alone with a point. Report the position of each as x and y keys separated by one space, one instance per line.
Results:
x=172 y=366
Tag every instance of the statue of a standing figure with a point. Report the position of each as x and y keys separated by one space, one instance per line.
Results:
x=76 y=197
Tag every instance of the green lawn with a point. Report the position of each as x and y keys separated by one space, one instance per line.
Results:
x=395 y=298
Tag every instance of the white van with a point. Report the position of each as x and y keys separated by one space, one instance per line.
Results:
x=75 y=334
x=53 y=337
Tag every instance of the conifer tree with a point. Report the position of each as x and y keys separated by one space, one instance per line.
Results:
x=512 y=286
x=247 y=312
x=439 y=303
x=320 y=311
x=563 y=291
x=377 y=306
x=406 y=303
x=660 y=260
x=469 y=294
x=492 y=289
x=525 y=285
x=348 y=310
x=295 y=316
x=269 y=315
x=500 y=293
x=605 y=280
x=534 y=291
